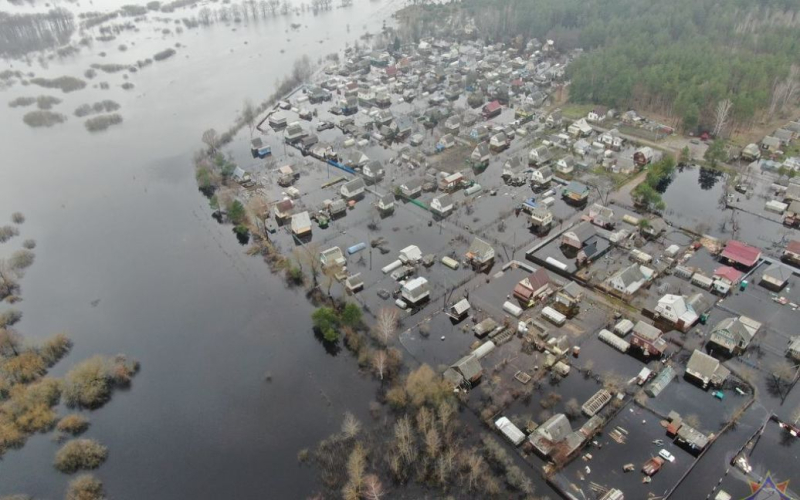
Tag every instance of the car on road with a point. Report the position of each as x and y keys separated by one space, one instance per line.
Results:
x=666 y=455
x=324 y=126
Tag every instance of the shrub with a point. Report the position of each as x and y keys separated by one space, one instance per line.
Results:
x=73 y=424
x=63 y=83
x=327 y=323
x=30 y=244
x=21 y=259
x=351 y=315
x=7 y=232
x=90 y=383
x=10 y=317
x=24 y=368
x=164 y=54
x=85 y=487
x=43 y=118
x=17 y=217
x=80 y=454
x=55 y=348
x=101 y=123
x=21 y=102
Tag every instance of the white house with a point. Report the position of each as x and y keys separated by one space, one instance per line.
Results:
x=442 y=205
x=566 y=165
x=332 y=257
x=627 y=280
x=676 y=310
x=542 y=176
x=412 y=187
x=447 y=141
x=539 y=155
x=579 y=128
x=353 y=189
x=373 y=171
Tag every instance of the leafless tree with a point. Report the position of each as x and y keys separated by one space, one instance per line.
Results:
x=721 y=113
x=572 y=408
x=373 y=488
x=432 y=442
x=356 y=465
x=10 y=342
x=386 y=325
x=350 y=426
x=404 y=439
x=249 y=115
x=211 y=139
x=379 y=363
x=310 y=255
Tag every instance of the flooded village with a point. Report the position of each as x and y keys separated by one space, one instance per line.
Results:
x=622 y=347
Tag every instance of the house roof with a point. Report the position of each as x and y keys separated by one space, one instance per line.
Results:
x=538 y=279
x=732 y=329
x=461 y=306
x=357 y=183
x=741 y=253
x=793 y=246
x=469 y=366
x=386 y=199
x=778 y=273
x=444 y=200
x=414 y=183
x=546 y=172
x=646 y=331
x=727 y=272
x=629 y=275
x=577 y=187
x=492 y=106
x=555 y=429
x=706 y=367
x=480 y=248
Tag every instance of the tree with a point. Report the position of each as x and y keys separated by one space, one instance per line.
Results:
x=236 y=212
x=351 y=315
x=685 y=157
x=214 y=204
x=350 y=426
x=85 y=487
x=249 y=115
x=356 y=466
x=8 y=280
x=424 y=386
x=645 y=195
x=715 y=152
x=80 y=454
x=386 y=325
x=10 y=317
x=379 y=363
x=373 y=489
x=211 y=139
x=327 y=323
x=721 y=113
x=10 y=342
x=572 y=408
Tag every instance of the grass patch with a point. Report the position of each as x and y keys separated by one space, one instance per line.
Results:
x=64 y=83
x=574 y=111
x=43 y=118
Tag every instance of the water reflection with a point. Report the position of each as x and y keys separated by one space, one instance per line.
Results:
x=708 y=178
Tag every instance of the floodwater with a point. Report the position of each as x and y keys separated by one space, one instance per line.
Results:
x=233 y=382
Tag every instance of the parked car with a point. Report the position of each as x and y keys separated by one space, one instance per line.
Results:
x=666 y=455
x=324 y=126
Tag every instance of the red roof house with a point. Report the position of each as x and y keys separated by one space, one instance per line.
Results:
x=532 y=287
x=729 y=274
x=391 y=71
x=741 y=253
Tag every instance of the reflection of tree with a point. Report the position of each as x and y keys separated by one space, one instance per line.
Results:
x=708 y=178
x=663 y=184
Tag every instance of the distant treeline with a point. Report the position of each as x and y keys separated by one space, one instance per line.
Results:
x=23 y=33
x=678 y=58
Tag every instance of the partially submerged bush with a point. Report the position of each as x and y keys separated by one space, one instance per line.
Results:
x=21 y=102
x=25 y=367
x=43 y=118
x=55 y=348
x=100 y=123
x=73 y=424
x=10 y=317
x=30 y=244
x=80 y=454
x=47 y=101
x=63 y=83
x=17 y=217
x=21 y=259
x=85 y=487
x=7 y=232
x=90 y=383
x=164 y=54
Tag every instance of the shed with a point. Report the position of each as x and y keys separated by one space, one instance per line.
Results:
x=509 y=430
x=624 y=327
x=301 y=224
x=410 y=254
x=776 y=276
x=484 y=327
x=469 y=367
x=459 y=310
x=660 y=382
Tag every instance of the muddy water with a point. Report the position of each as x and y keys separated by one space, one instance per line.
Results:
x=129 y=260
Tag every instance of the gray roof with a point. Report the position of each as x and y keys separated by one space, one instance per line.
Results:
x=387 y=199
x=469 y=366
x=445 y=200
x=630 y=275
x=357 y=183
x=555 y=428
x=414 y=183
x=645 y=331
x=778 y=272
x=733 y=329
x=706 y=367
x=480 y=248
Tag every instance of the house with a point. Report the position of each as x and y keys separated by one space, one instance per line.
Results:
x=258 y=149
x=541 y=219
x=479 y=133
x=653 y=228
x=783 y=135
x=541 y=177
x=791 y=253
x=355 y=159
x=643 y=156
x=706 y=370
x=776 y=276
x=459 y=310
x=442 y=205
x=294 y=132
x=566 y=165
x=741 y=253
x=447 y=141
x=481 y=154
x=283 y=210
x=577 y=236
x=794 y=348
x=611 y=140
x=354 y=283
x=601 y=216
x=691 y=438
x=452 y=124
x=499 y=142
x=336 y=208
x=770 y=143
x=568 y=299
x=598 y=114
x=554 y=119
x=649 y=339
x=480 y=254
x=576 y=193
x=332 y=257
x=491 y=110
x=307 y=142
x=550 y=433
x=539 y=155
x=277 y=120
x=751 y=152
x=529 y=289
x=729 y=275
x=373 y=171
x=733 y=335
x=676 y=310
x=240 y=175
x=627 y=280
x=579 y=128
x=353 y=189
x=465 y=371
x=301 y=224
x=412 y=188
x=385 y=203
x=450 y=182
x=415 y=290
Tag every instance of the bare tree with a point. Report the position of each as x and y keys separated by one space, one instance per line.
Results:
x=373 y=489
x=432 y=442
x=310 y=256
x=356 y=465
x=404 y=439
x=721 y=113
x=211 y=139
x=386 y=325
x=10 y=342
x=379 y=363
x=350 y=426
x=249 y=115
x=572 y=408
